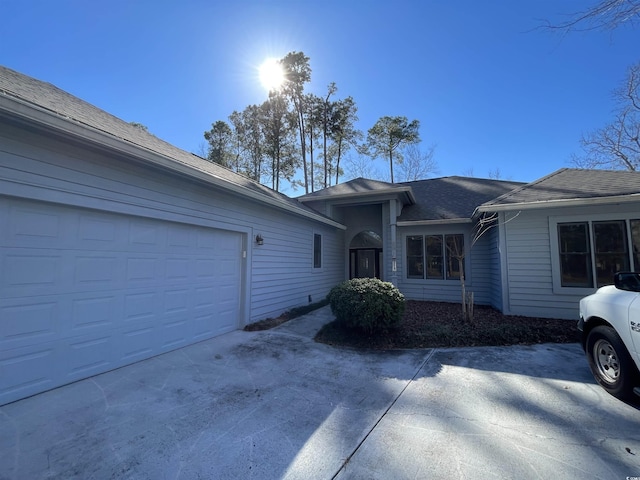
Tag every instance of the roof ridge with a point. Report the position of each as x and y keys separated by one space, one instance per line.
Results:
x=526 y=185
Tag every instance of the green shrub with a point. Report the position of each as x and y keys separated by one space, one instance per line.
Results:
x=367 y=304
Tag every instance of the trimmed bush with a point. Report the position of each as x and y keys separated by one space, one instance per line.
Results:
x=367 y=304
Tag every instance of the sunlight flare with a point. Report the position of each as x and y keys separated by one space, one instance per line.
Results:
x=271 y=74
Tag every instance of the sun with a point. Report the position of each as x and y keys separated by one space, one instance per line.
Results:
x=271 y=74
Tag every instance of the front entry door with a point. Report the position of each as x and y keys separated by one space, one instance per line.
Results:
x=364 y=263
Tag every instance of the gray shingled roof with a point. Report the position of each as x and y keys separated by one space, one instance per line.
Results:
x=49 y=97
x=355 y=186
x=451 y=197
x=573 y=184
x=443 y=198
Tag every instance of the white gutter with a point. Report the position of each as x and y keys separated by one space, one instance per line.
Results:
x=444 y=221
x=35 y=114
x=570 y=202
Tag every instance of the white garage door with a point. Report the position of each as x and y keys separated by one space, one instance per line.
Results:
x=83 y=292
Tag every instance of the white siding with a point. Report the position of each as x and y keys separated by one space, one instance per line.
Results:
x=531 y=265
x=279 y=274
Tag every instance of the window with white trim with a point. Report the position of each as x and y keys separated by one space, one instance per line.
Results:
x=592 y=251
x=434 y=257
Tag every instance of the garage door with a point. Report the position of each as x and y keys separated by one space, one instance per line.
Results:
x=83 y=292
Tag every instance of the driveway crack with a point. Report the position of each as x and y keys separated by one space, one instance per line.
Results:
x=384 y=414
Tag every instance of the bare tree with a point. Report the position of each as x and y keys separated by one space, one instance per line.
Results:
x=495 y=174
x=202 y=150
x=360 y=165
x=456 y=250
x=417 y=164
x=605 y=15
x=617 y=145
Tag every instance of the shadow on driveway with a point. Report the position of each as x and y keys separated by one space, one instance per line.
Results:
x=277 y=405
x=503 y=412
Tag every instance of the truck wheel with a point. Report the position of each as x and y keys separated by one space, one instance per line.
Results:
x=610 y=362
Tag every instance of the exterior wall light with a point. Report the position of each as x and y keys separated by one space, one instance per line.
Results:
x=259 y=239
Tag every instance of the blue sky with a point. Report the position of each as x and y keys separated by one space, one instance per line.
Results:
x=488 y=88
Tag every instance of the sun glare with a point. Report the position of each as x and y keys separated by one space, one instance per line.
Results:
x=271 y=74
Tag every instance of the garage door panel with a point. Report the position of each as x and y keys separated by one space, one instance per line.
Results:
x=25 y=322
x=146 y=233
x=29 y=269
x=91 y=271
x=180 y=239
x=177 y=269
x=205 y=269
x=33 y=227
x=175 y=332
x=137 y=343
x=176 y=301
x=83 y=292
x=143 y=269
x=97 y=232
x=141 y=306
x=28 y=370
x=90 y=312
x=87 y=355
x=202 y=326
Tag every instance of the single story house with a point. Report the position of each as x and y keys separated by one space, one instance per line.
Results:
x=116 y=246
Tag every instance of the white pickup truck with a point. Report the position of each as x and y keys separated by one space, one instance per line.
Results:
x=610 y=326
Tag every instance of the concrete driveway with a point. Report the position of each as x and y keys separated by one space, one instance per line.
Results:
x=277 y=405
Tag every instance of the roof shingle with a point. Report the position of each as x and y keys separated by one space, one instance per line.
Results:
x=573 y=184
x=451 y=197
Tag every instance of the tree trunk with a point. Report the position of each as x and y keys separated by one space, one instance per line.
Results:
x=324 y=150
x=391 y=165
x=338 y=161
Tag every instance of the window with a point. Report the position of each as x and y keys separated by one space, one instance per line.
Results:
x=611 y=254
x=317 y=250
x=575 y=257
x=635 y=243
x=439 y=252
x=455 y=251
x=434 y=256
x=415 y=257
x=584 y=266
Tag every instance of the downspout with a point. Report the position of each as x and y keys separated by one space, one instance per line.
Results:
x=504 y=264
x=394 y=246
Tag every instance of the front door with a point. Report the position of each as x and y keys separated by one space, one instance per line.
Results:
x=364 y=262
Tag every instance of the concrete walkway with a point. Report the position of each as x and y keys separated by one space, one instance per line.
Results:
x=275 y=404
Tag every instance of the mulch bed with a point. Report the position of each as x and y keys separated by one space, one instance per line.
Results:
x=438 y=324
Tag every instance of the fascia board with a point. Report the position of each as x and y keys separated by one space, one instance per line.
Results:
x=572 y=202
x=32 y=114
x=385 y=194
